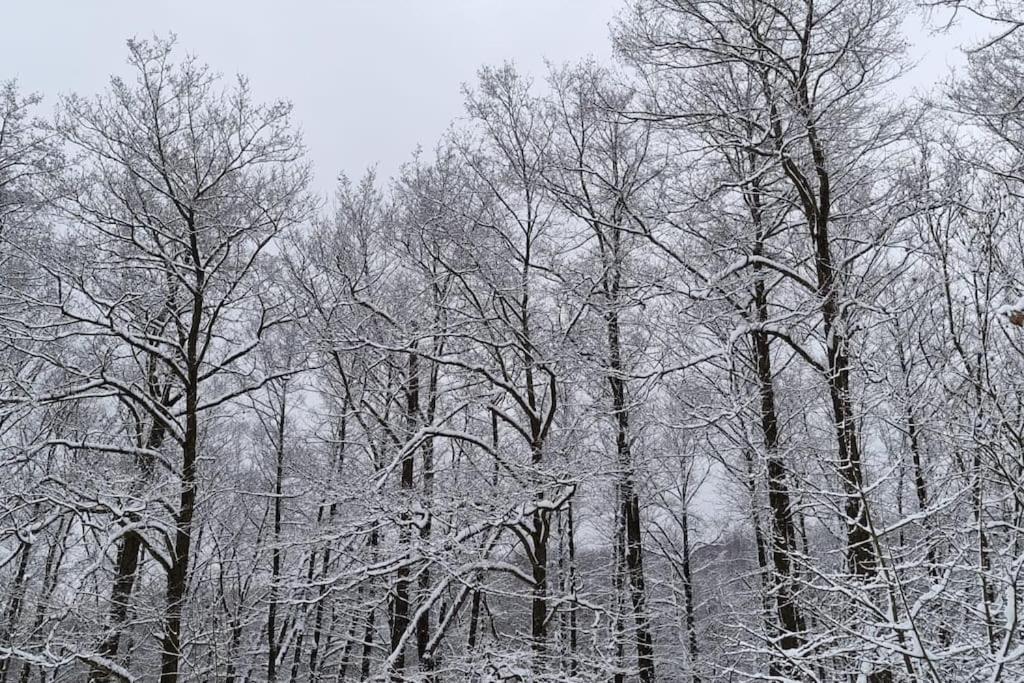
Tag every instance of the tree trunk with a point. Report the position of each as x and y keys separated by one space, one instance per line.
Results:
x=400 y=604
x=783 y=529
x=275 y=553
x=367 y=653
x=691 y=617
x=538 y=609
x=427 y=659
x=54 y=558
x=629 y=515
x=13 y=611
x=128 y=555
x=816 y=203
x=177 y=577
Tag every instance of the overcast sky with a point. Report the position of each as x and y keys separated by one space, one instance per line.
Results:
x=370 y=79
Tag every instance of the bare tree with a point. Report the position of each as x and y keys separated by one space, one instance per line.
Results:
x=176 y=190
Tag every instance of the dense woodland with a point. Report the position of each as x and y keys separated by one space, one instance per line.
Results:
x=704 y=365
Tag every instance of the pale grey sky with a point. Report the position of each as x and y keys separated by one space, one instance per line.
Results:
x=370 y=79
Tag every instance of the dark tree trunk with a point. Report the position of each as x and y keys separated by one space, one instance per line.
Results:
x=315 y=662
x=367 y=653
x=400 y=606
x=297 y=652
x=474 y=620
x=275 y=553
x=629 y=515
x=236 y=640
x=129 y=551
x=783 y=529
x=54 y=557
x=177 y=577
x=618 y=586
x=120 y=599
x=13 y=611
x=691 y=617
x=540 y=532
x=427 y=659
x=816 y=202
x=350 y=639
x=568 y=533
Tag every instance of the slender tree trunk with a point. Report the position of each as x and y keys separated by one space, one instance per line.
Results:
x=474 y=621
x=816 y=202
x=128 y=553
x=275 y=553
x=14 y=603
x=350 y=640
x=120 y=598
x=236 y=640
x=761 y=549
x=540 y=533
x=538 y=609
x=920 y=486
x=426 y=659
x=540 y=529
x=400 y=606
x=618 y=586
x=315 y=661
x=367 y=653
x=563 y=590
x=318 y=611
x=177 y=577
x=984 y=563
x=691 y=617
x=783 y=529
x=921 y=493
x=54 y=558
x=299 y=640
x=571 y=588
x=629 y=515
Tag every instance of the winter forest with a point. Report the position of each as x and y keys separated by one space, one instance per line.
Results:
x=703 y=364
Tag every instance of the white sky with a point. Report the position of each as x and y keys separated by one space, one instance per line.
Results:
x=370 y=79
